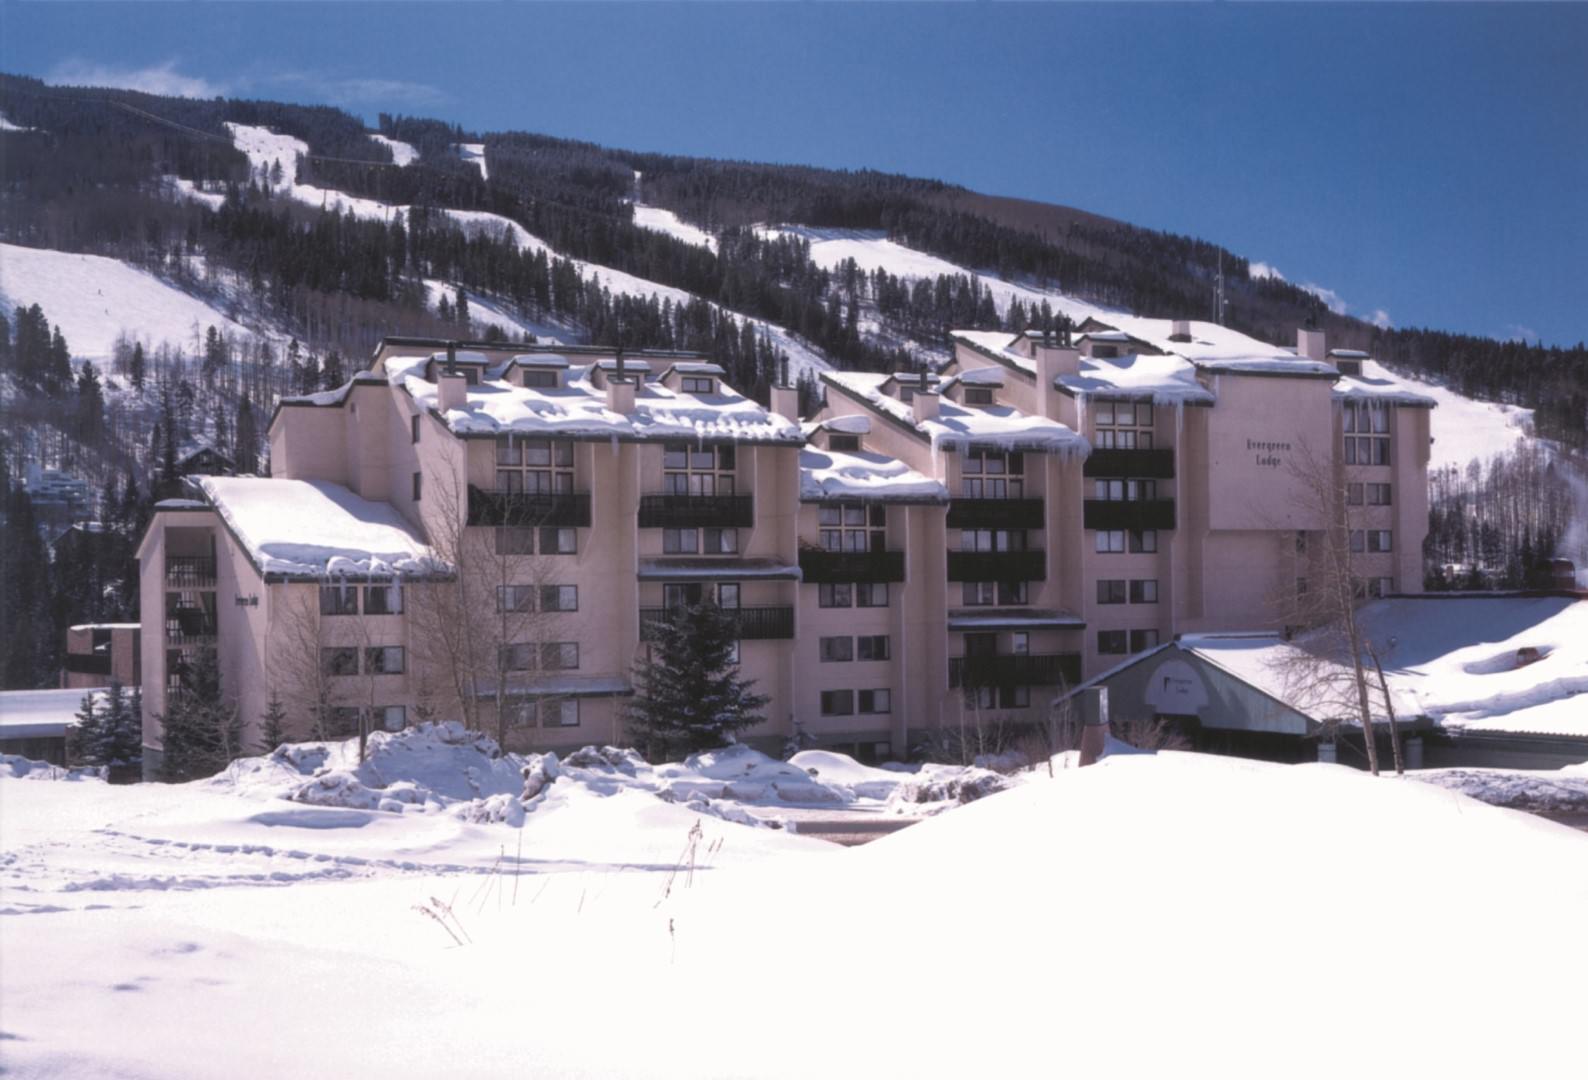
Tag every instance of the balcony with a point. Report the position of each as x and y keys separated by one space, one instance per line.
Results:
x=202 y=634
x=821 y=567
x=1051 y=669
x=754 y=623
x=997 y=566
x=189 y=572
x=88 y=663
x=522 y=508
x=969 y=513
x=697 y=511
x=1135 y=514
x=1141 y=464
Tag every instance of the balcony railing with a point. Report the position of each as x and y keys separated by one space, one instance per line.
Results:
x=184 y=635
x=1128 y=514
x=697 y=511
x=1143 y=464
x=997 y=566
x=88 y=663
x=1043 y=669
x=753 y=623
x=970 y=513
x=818 y=566
x=190 y=571
x=566 y=509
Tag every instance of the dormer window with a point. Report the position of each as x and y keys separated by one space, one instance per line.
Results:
x=978 y=395
x=1105 y=352
x=848 y=443
x=697 y=384
x=540 y=380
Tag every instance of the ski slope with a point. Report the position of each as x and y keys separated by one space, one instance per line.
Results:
x=402 y=154
x=94 y=300
x=665 y=221
x=1465 y=428
x=474 y=154
x=265 y=148
x=485 y=312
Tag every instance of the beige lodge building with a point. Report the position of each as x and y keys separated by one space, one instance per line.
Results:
x=922 y=549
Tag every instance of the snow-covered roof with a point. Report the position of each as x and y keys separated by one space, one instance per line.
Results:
x=1164 y=380
x=1214 y=348
x=717 y=569
x=40 y=714
x=959 y=426
x=313 y=528
x=854 y=424
x=859 y=474
x=337 y=396
x=578 y=410
x=996 y=344
x=540 y=360
x=1375 y=384
x=696 y=367
x=1013 y=619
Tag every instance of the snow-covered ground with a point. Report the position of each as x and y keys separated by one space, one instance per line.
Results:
x=1464 y=428
x=7 y=125
x=485 y=312
x=95 y=299
x=1123 y=920
x=1548 y=790
x=660 y=220
x=474 y=153
x=402 y=154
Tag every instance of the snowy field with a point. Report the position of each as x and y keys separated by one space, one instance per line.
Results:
x=1156 y=915
x=95 y=299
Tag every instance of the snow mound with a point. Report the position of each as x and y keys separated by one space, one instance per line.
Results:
x=16 y=767
x=1561 y=790
x=942 y=790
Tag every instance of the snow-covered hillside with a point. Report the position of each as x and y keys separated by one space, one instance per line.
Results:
x=402 y=153
x=1465 y=428
x=96 y=299
x=485 y=313
x=1122 y=920
x=473 y=153
x=665 y=221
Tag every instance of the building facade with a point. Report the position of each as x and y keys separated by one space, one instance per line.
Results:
x=494 y=532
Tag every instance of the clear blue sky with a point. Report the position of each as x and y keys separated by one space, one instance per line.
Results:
x=1429 y=161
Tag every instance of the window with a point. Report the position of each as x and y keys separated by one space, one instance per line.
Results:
x=515 y=598
x=383 y=660
x=1142 y=640
x=1110 y=591
x=852 y=527
x=837 y=649
x=540 y=380
x=1380 y=540
x=413 y=434
x=1112 y=642
x=876 y=701
x=992 y=539
x=1144 y=542
x=1353 y=494
x=838 y=702
x=720 y=541
x=1380 y=586
x=696 y=384
x=514 y=540
x=383 y=600
x=563 y=712
x=1358 y=541
x=872 y=647
x=339 y=661
x=344 y=719
x=560 y=656
x=534 y=466
x=834 y=596
x=697 y=470
x=1378 y=495
x=992 y=474
x=392 y=717
x=339 y=600
x=516 y=657
x=845 y=443
x=557 y=541
x=1110 y=540
x=1366 y=434
x=978 y=395
x=680 y=541
x=728 y=596
x=1124 y=490
x=1012 y=592
x=418 y=485
x=871 y=594
x=559 y=598
x=1020 y=643
x=1122 y=425
x=1144 y=591
x=980 y=594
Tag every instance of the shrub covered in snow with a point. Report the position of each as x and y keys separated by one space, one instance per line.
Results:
x=20 y=768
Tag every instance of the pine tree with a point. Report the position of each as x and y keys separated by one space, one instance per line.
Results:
x=85 y=739
x=136 y=370
x=272 y=724
x=246 y=454
x=197 y=727
x=121 y=744
x=332 y=375
x=688 y=693
x=460 y=309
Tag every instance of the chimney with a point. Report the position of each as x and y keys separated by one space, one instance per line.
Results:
x=923 y=405
x=785 y=397
x=620 y=394
x=452 y=390
x=1053 y=361
x=1181 y=330
x=1310 y=344
x=1093 y=706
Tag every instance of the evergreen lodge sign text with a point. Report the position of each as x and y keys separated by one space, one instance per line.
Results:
x=1267 y=453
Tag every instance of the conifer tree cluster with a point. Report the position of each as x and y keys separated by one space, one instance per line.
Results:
x=108 y=731
x=688 y=694
x=201 y=731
